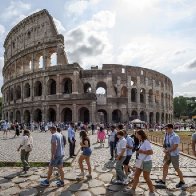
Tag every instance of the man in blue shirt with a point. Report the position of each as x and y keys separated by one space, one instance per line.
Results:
x=57 y=154
x=71 y=140
x=171 y=142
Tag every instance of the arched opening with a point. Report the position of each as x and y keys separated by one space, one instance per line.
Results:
x=116 y=116
x=162 y=118
x=102 y=116
x=51 y=115
x=38 y=88
x=66 y=115
x=143 y=116
x=84 y=115
x=166 y=118
x=101 y=88
x=18 y=116
x=27 y=90
x=30 y=65
x=27 y=117
x=142 y=95
x=124 y=91
x=53 y=59
x=166 y=102
x=157 y=98
x=87 y=88
x=67 y=86
x=37 y=115
x=18 y=92
x=151 y=119
x=11 y=94
x=162 y=99
x=41 y=62
x=133 y=81
x=133 y=94
x=51 y=87
x=157 y=117
x=150 y=96
x=134 y=115
x=11 y=117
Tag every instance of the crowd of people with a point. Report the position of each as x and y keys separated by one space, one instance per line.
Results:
x=122 y=148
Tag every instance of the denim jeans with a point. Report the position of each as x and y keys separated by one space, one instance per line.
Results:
x=120 y=175
x=112 y=148
x=24 y=158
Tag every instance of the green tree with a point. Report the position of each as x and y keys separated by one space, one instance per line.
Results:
x=180 y=106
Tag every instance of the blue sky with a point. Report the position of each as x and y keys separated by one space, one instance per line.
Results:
x=156 y=34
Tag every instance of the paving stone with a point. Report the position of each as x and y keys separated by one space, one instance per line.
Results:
x=84 y=193
x=34 y=177
x=3 y=180
x=10 y=191
x=24 y=185
x=102 y=169
x=78 y=187
x=98 y=191
x=115 y=187
x=11 y=175
x=29 y=192
x=181 y=193
x=95 y=183
x=6 y=185
x=189 y=174
x=19 y=180
x=164 y=192
x=121 y=194
x=43 y=175
x=71 y=176
x=106 y=177
x=25 y=175
x=64 y=193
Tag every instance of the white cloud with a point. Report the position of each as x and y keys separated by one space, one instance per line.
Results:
x=189 y=83
x=2 y=30
x=185 y=94
x=59 y=26
x=15 y=9
x=1 y=68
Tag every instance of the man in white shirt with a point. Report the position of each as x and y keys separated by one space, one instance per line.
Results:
x=121 y=156
x=112 y=136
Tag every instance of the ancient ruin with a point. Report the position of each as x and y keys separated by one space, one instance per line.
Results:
x=40 y=84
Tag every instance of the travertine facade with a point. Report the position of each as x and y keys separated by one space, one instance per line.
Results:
x=40 y=84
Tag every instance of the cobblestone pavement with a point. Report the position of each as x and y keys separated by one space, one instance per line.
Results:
x=41 y=149
x=13 y=183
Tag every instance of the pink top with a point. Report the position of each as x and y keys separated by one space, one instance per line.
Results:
x=101 y=135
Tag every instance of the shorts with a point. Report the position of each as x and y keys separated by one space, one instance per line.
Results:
x=147 y=166
x=172 y=159
x=58 y=161
x=87 y=152
x=127 y=160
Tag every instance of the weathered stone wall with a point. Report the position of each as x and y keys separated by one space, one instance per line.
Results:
x=40 y=84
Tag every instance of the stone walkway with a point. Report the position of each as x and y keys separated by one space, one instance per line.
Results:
x=12 y=182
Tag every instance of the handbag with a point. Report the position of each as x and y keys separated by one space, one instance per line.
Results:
x=139 y=163
x=29 y=146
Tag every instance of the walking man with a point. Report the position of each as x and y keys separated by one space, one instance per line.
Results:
x=171 y=142
x=71 y=140
x=57 y=154
x=112 y=141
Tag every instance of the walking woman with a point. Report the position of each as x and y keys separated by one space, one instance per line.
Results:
x=143 y=163
x=86 y=153
x=26 y=147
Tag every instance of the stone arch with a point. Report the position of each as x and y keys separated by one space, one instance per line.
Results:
x=116 y=116
x=151 y=118
x=162 y=118
x=41 y=62
x=18 y=116
x=87 y=88
x=166 y=118
x=51 y=115
x=134 y=115
x=142 y=95
x=133 y=95
x=18 y=92
x=66 y=115
x=53 y=58
x=37 y=89
x=102 y=116
x=143 y=116
x=124 y=91
x=11 y=94
x=84 y=115
x=150 y=93
x=27 y=90
x=27 y=117
x=162 y=99
x=67 y=86
x=157 y=117
x=100 y=86
x=51 y=87
x=37 y=115
x=11 y=117
x=157 y=98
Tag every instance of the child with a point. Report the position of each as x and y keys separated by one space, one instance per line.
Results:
x=101 y=136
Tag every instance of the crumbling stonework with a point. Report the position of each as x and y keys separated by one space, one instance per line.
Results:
x=40 y=84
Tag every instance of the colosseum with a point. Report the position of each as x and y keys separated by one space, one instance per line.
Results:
x=40 y=84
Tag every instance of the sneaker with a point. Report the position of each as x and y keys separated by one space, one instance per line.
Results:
x=160 y=182
x=89 y=176
x=180 y=184
x=115 y=181
x=60 y=183
x=126 y=181
x=81 y=174
x=130 y=191
x=44 y=183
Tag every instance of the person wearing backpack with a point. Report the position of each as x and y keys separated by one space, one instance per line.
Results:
x=26 y=146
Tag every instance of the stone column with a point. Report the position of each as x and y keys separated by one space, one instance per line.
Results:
x=109 y=113
x=58 y=113
x=75 y=82
x=93 y=112
x=58 y=86
x=109 y=86
x=32 y=62
x=118 y=86
x=74 y=114
x=22 y=92
x=147 y=117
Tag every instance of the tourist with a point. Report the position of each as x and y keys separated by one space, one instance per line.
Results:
x=194 y=143
x=64 y=138
x=120 y=158
x=26 y=147
x=143 y=163
x=92 y=128
x=111 y=139
x=17 y=128
x=171 y=142
x=5 y=128
x=86 y=153
x=71 y=140
x=57 y=154
x=129 y=147
x=101 y=136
